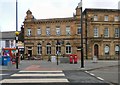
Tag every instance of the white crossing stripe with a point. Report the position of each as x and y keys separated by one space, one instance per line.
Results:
x=38 y=75
x=34 y=77
x=40 y=71
x=33 y=80
x=3 y=74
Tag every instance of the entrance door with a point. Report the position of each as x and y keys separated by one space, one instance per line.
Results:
x=30 y=53
x=96 y=50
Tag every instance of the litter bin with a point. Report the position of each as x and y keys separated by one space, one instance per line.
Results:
x=95 y=59
x=53 y=58
x=5 y=60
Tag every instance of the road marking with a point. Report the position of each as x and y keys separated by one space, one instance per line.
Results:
x=92 y=74
x=3 y=74
x=40 y=71
x=33 y=80
x=86 y=71
x=16 y=75
x=28 y=77
x=100 y=78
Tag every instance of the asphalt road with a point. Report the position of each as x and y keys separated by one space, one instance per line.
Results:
x=109 y=74
x=74 y=77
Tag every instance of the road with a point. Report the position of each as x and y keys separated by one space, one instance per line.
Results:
x=109 y=74
x=53 y=77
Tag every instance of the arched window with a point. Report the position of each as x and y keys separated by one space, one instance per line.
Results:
x=117 y=49
x=68 y=48
x=107 y=49
x=48 y=47
x=58 y=48
x=39 y=49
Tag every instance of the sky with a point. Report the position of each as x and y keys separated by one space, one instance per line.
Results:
x=43 y=9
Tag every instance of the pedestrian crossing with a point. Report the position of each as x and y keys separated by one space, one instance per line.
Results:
x=36 y=77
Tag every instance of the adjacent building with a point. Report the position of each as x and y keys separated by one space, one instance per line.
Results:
x=101 y=34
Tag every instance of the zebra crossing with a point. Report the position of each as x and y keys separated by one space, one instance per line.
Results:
x=36 y=77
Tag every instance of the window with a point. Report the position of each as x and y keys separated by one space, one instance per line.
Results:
x=117 y=49
x=106 y=18
x=48 y=47
x=95 y=18
x=106 y=32
x=68 y=48
x=58 y=31
x=106 y=49
x=48 y=31
x=67 y=30
x=7 y=44
x=29 y=32
x=95 y=32
x=38 y=31
x=79 y=30
x=117 y=32
x=58 y=48
x=116 y=18
x=39 y=49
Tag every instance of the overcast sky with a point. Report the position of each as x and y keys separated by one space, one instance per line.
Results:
x=43 y=9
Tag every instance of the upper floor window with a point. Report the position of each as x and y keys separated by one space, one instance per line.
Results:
x=58 y=31
x=95 y=18
x=106 y=18
x=68 y=30
x=38 y=31
x=117 y=32
x=116 y=18
x=47 y=31
x=79 y=30
x=106 y=32
x=29 y=32
x=39 y=49
x=7 y=44
x=95 y=32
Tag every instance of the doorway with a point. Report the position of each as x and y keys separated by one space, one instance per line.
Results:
x=96 y=50
x=29 y=54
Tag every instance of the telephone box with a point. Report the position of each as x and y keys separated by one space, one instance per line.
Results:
x=12 y=53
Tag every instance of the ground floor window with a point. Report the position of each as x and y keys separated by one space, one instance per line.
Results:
x=68 y=48
x=107 y=49
x=117 y=49
x=39 y=49
x=48 y=47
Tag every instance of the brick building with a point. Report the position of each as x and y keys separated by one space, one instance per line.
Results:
x=43 y=37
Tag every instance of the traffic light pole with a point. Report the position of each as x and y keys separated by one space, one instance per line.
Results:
x=16 y=34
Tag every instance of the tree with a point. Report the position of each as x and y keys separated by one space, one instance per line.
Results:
x=21 y=35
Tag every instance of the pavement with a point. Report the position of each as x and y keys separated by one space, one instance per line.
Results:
x=35 y=71
x=88 y=65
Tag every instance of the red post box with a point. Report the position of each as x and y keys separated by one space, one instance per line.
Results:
x=75 y=59
x=71 y=59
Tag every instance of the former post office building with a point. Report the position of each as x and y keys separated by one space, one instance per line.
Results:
x=101 y=34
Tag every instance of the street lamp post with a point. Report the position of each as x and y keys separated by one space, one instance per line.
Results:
x=82 y=57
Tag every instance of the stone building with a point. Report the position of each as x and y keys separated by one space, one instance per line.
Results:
x=102 y=27
x=47 y=37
